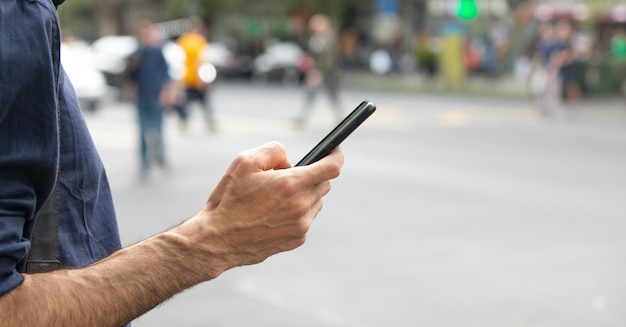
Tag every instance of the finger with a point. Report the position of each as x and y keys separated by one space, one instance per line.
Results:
x=326 y=168
x=268 y=156
x=323 y=188
x=334 y=158
x=280 y=157
x=271 y=156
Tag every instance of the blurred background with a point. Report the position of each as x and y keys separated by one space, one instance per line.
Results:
x=488 y=189
x=453 y=41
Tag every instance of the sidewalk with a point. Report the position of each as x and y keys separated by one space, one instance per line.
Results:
x=611 y=109
x=508 y=87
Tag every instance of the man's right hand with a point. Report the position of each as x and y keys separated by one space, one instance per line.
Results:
x=260 y=207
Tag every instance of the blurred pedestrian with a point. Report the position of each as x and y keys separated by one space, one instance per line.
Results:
x=196 y=47
x=349 y=47
x=571 y=90
x=544 y=79
x=324 y=74
x=425 y=54
x=150 y=73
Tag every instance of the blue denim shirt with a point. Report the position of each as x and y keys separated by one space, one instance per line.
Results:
x=32 y=85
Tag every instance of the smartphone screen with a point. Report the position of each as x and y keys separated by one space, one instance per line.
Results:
x=339 y=133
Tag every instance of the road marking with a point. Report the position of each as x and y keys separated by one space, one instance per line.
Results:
x=389 y=118
x=123 y=137
x=454 y=118
x=114 y=139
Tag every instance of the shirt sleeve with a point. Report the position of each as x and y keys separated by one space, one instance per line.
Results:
x=29 y=63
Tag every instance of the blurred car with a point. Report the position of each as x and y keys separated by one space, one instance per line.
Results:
x=175 y=57
x=228 y=63
x=89 y=83
x=283 y=61
x=111 y=52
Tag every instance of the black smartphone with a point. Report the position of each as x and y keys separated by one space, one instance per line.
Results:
x=339 y=133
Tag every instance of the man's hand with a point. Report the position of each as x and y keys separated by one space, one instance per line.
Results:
x=260 y=208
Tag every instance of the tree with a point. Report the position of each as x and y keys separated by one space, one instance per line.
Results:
x=110 y=20
x=88 y=19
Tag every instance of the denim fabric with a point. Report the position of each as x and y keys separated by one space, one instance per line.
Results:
x=32 y=85
x=150 y=134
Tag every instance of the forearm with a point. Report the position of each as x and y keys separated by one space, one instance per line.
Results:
x=110 y=292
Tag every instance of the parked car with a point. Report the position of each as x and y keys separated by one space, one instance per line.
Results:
x=283 y=61
x=228 y=63
x=111 y=53
x=89 y=83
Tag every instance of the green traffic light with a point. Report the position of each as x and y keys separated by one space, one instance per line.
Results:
x=467 y=10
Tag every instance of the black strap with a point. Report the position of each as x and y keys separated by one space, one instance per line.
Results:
x=44 y=253
x=44 y=250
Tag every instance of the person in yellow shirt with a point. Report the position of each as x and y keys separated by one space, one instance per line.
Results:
x=195 y=44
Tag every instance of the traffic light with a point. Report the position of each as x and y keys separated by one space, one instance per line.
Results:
x=467 y=10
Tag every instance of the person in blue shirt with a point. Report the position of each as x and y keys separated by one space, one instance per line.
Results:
x=544 y=78
x=150 y=72
x=262 y=205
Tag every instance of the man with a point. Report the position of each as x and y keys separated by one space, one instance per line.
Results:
x=323 y=48
x=260 y=207
x=544 y=78
x=150 y=72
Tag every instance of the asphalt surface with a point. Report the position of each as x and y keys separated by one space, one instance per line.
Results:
x=450 y=211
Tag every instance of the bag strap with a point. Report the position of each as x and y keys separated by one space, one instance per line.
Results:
x=44 y=251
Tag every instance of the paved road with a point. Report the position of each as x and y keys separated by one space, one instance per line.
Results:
x=450 y=211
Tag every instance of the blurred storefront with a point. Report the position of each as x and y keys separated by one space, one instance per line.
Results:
x=448 y=38
x=606 y=70
x=599 y=41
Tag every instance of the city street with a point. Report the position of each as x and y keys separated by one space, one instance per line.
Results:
x=450 y=211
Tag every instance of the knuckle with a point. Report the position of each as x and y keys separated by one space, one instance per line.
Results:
x=275 y=145
x=301 y=208
x=303 y=226
x=243 y=159
x=290 y=187
x=240 y=158
x=335 y=170
x=295 y=243
x=325 y=188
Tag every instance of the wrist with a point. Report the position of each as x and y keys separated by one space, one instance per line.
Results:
x=197 y=244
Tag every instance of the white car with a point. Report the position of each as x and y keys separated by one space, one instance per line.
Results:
x=284 y=61
x=89 y=83
x=111 y=52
